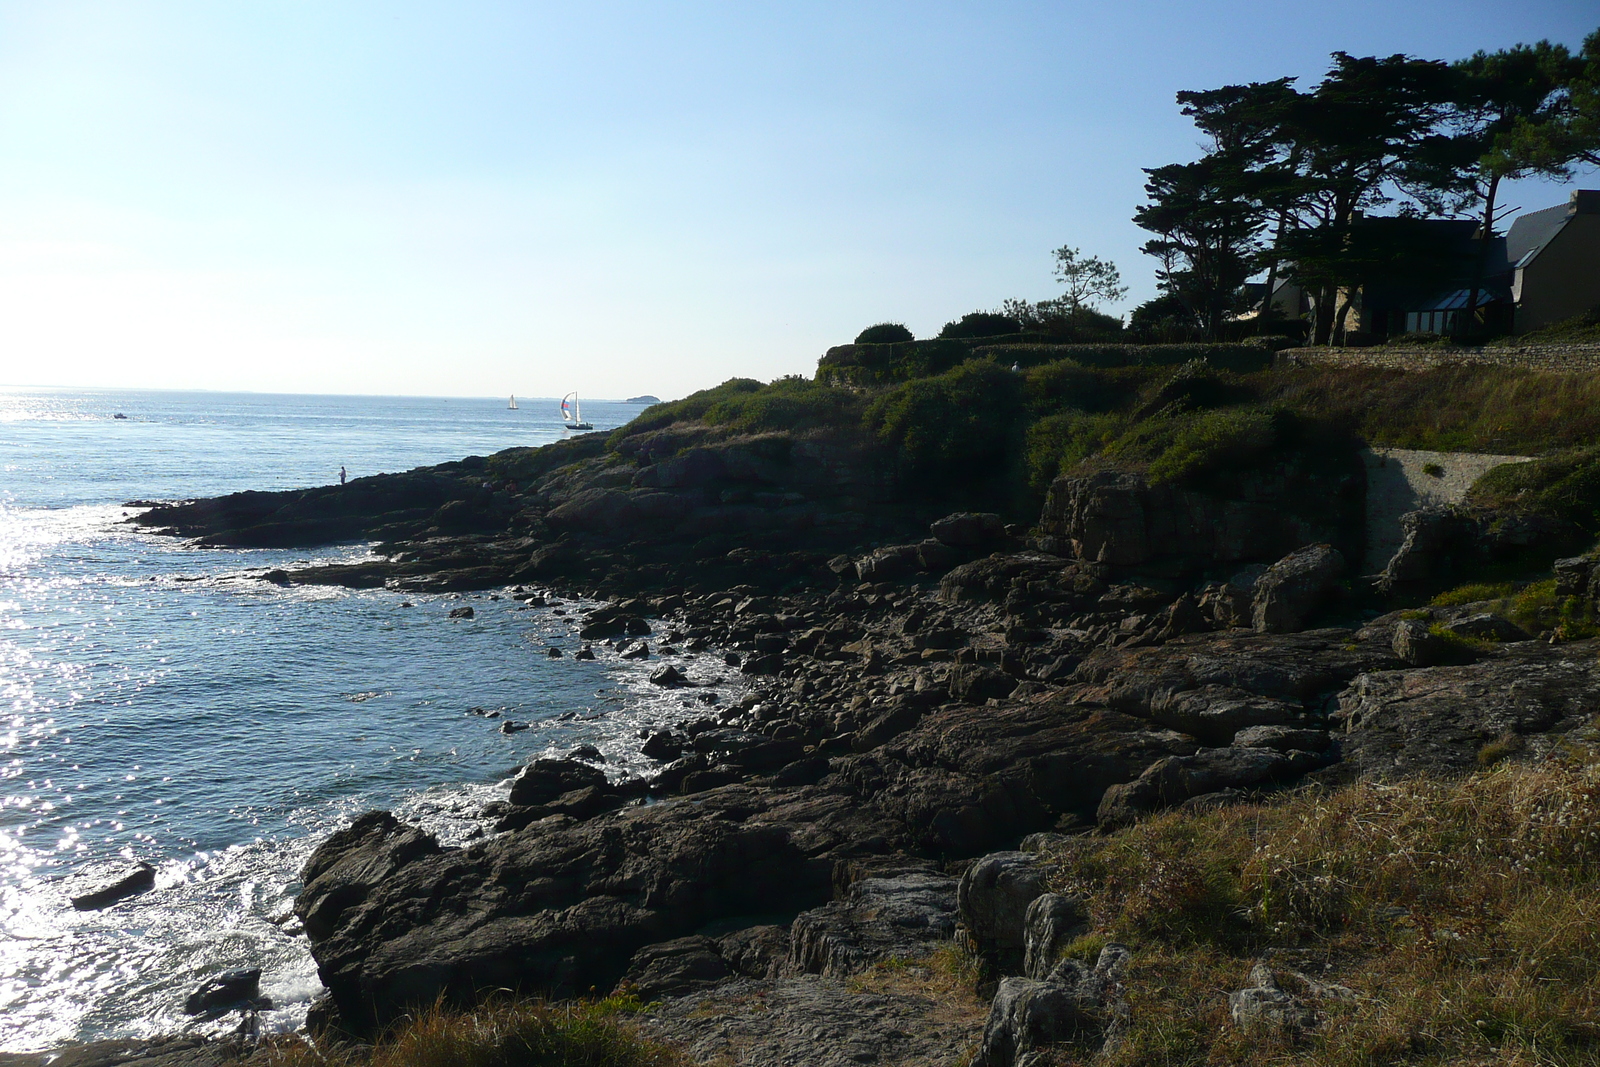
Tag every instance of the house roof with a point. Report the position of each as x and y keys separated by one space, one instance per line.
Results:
x=1531 y=232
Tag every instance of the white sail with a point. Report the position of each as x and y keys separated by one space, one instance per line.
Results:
x=513 y=405
x=572 y=414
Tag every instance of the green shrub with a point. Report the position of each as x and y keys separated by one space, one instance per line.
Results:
x=791 y=403
x=1473 y=593
x=1066 y=383
x=956 y=426
x=527 y=464
x=1563 y=486
x=1060 y=442
x=884 y=333
x=867 y=365
x=690 y=409
x=1233 y=440
x=980 y=324
x=1190 y=448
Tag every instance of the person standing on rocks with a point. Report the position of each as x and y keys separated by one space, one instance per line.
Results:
x=342 y=474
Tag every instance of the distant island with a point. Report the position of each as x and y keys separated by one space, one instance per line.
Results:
x=645 y=399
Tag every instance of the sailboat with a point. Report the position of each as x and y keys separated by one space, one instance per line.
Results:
x=572 y=415
x=513 y=405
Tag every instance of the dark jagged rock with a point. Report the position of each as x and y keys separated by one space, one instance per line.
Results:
x=673 y=968
x=1052 y=922
x=1179 y=778
x=662 y=745
x=1416 y=644
x=1075 y=1005
x=544 y=780
x=669 y=677
x=555 y=910
x=109 y=886
x=755 y=951
x=1438 y=719
x=1295 y=587
x=976 y=684
x=1117 y=517
x=227 y=990
x=1487 y=626
x=901 y=916
x=969 y=529
x=1445 y=545
x=993 y=896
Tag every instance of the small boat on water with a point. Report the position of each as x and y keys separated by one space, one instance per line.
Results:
x=513 y=405
x=572 y=415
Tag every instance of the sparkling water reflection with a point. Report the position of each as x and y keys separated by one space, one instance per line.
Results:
x=159 y=703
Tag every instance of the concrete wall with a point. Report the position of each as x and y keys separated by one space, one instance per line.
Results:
x=1398 y=482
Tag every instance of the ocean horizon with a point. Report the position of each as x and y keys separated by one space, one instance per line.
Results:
x=163 y=705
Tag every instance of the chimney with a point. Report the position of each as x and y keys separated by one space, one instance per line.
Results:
x=1584 y=202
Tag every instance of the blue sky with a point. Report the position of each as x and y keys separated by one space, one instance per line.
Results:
x=484 y=198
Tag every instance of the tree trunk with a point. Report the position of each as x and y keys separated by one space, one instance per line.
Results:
x=1485 y=235
x=1323 y=332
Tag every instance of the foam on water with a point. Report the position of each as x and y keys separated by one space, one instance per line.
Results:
x=160 y=703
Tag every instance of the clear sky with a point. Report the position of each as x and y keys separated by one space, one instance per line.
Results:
x=476 y=198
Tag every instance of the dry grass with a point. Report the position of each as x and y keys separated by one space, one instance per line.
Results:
x=1451 y=409
x=1465 y=916
x=497 y=1034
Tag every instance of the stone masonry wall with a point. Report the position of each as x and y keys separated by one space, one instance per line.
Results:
x=1576 y=357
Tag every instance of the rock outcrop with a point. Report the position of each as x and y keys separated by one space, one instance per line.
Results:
x=1117 y=517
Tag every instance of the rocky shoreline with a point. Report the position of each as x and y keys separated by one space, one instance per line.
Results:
x=930 y=703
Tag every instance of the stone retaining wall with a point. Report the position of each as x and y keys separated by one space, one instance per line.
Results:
x=1575 y=357
x=1400 y=480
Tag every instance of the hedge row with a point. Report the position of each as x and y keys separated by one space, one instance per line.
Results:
x=872 y=365
x=1241 y=358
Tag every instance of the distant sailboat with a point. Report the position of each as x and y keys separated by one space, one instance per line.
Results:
x=513 y=405
x=572 y=415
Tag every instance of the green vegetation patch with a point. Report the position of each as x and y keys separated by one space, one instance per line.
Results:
x=1563 y=486
x=743 y=405
x=957 y=426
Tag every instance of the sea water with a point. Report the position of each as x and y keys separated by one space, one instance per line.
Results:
x=159 y=703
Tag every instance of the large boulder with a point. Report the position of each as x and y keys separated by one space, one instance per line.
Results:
x=994 y=895
x=1444 y=546
x=969 y=529
x=395 y=921
x=1295 y=587
x=1075 y=1005
x=673 y=968
x=888 y=564
x=544 y=780
x=100 y=887
x=1053 y=921
x=1176 y=779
